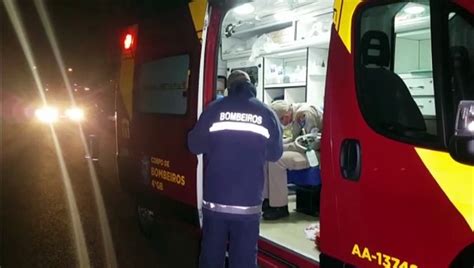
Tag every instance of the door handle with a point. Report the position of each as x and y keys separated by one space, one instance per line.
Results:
x=350 y=159
x=418 y=87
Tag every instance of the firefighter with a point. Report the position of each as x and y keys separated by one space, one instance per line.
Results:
x=237 y=134
x=298 y=119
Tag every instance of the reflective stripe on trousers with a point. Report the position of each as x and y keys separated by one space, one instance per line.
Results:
x=231 y=209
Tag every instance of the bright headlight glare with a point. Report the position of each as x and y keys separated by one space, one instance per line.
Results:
x=75 y=114
x=47 y=114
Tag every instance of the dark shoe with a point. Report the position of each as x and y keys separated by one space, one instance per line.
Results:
x=275 y=213
x=265 y=204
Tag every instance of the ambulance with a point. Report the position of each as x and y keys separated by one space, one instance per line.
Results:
x=395 y=82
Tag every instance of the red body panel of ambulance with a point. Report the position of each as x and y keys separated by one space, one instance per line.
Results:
x=395 y=80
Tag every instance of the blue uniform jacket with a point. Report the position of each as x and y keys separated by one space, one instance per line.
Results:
x=237 y=134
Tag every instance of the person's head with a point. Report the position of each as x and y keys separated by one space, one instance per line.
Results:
x=237 y=76
x=283 y=111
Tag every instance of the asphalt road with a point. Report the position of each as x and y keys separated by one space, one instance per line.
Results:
x=36 y=222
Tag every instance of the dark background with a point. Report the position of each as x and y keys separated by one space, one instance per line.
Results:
x=35 y=224
x=86 y=32
x=88 y=35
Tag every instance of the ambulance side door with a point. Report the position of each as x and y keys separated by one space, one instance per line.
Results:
x=165 y=107
x=387 y=189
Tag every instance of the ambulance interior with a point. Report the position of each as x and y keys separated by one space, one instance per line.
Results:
x=283 y=45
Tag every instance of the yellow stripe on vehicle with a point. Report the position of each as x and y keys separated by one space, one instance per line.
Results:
x=342 y=16
x=126 y=83
x=198 y=11
x=454 y=178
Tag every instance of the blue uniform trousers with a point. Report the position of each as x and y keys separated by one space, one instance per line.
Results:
x=240 y=231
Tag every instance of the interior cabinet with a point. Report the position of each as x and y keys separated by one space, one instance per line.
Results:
x=296 y=76
x=421 y=89
x=413 y=64
x=413 y=51
x=262 y=37
x=313 y=28
x=317 y=68
x=426 y=105
x=290 y=53
x=285 y=76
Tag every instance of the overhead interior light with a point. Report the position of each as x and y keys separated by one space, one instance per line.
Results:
x=244 y=9
x=414 y=9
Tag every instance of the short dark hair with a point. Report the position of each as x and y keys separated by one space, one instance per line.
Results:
x=237 y=76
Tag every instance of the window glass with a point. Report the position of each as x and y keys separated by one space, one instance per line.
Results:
x=394 y=70
x=461 y=48
x=163 y=85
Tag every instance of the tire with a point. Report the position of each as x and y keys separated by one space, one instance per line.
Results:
x=465 y=259
x=146 y=220
x=326 y=261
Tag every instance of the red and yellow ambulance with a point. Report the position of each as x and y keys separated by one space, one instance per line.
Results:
x=395 y=80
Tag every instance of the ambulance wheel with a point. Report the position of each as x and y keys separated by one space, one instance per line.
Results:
x=465 y=258
x=326 y=261
x=146 y=220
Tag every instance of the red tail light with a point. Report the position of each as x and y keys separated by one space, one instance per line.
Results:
x=128 y=41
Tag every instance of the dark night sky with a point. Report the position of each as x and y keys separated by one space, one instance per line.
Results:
x=88 y=36
x=88 y=32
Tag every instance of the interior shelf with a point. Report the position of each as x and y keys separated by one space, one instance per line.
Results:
x=285 y=85
x=421 y=71
x=257 y=30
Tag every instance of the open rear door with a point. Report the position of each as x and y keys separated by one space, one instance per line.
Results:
x=159 y=110
x=156 y=108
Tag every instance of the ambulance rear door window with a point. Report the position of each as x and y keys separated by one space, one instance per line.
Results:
x=163 y=85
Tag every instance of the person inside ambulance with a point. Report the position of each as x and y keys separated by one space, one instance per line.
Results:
x=224 y=92
x=237 y=134
x=297 y=119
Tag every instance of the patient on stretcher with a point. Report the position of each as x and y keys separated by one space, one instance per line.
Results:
x=302 y=123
